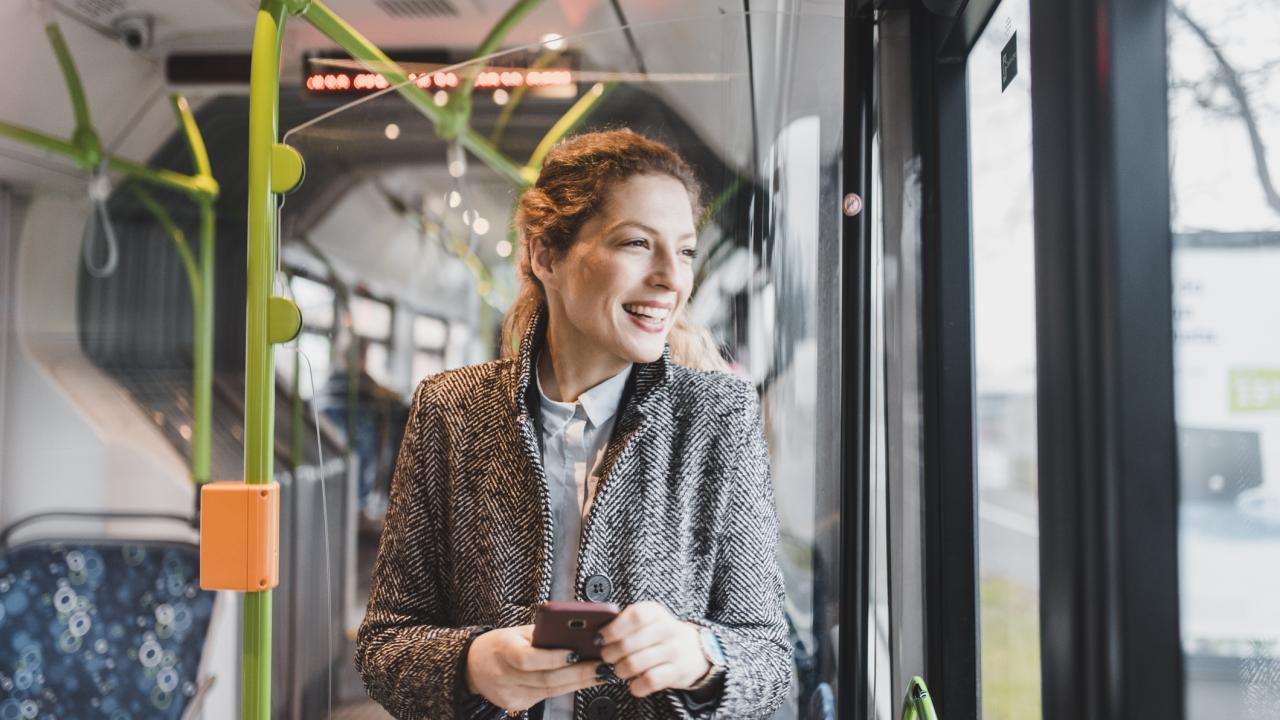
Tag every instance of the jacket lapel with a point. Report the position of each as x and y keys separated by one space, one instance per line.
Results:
x=645 y=396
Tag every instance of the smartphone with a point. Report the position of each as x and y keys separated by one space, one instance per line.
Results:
x=572 y=625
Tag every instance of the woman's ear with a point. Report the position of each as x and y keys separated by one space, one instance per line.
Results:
x=541 y=262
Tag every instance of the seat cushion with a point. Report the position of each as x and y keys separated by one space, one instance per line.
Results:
x=95 y=629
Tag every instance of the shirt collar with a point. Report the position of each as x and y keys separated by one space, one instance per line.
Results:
x=600 y=402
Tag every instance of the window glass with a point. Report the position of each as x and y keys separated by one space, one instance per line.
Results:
x=1224 y=115
x=430 y=333
x=315 y=300
x=371 y=318
x=426 y=363
x=999 y=93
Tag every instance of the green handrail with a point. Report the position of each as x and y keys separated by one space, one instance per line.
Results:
x=337 y=29
x=917 y=705
x=459 y=116
x=85 y=148
x=572 y=118
x=175 y=233
x=83 y=137
x=259 y=421
x=202 y=345
x=263 y=246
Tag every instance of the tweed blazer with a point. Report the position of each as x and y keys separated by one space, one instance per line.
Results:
x=683 y=515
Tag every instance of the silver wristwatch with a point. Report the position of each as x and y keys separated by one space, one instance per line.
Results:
x=714 y=654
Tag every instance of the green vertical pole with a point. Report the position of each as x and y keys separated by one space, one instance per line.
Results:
x=264 y=98
x=202 y=347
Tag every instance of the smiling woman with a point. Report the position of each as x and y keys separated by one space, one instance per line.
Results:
x=596 y=465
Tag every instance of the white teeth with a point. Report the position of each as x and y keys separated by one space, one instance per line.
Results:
x=647 y=311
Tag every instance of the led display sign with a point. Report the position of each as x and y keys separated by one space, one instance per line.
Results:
x=327 y=73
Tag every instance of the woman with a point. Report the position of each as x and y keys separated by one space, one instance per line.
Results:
x=599 y=463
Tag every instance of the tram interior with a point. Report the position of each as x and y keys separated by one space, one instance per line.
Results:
x=398 y=248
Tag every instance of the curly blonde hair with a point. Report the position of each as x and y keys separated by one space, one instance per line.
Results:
x=571 y=189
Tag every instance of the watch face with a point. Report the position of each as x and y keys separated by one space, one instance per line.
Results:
x=711 y=645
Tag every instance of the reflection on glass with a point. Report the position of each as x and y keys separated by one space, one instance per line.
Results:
x=999 y=82
x=1224 y=111
x=426 y=224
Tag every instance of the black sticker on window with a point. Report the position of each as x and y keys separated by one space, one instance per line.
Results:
x=1009 y=62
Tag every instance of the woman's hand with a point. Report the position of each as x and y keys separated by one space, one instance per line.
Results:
x=505 y=668
x=653 y=649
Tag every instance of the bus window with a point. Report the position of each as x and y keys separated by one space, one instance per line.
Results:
x=1224 y=126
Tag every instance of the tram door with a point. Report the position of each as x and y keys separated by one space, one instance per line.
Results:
x=960 y=478
x=1080 y=408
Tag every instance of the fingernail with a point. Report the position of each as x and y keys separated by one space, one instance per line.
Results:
x=598 y=639
x=571 y=658
x=604 y=671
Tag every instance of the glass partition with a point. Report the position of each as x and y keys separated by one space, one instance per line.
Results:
x=1224 y=114
x=999 y=92
x=753 y=101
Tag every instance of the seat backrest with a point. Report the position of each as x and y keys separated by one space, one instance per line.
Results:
x=94 y=629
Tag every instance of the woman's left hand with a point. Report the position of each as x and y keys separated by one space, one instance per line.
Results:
x=653 y=649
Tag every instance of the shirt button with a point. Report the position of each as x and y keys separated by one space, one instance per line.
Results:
x=598 y=588
x=602 y=708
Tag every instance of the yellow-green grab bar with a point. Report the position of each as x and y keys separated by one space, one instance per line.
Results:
x=918 y=705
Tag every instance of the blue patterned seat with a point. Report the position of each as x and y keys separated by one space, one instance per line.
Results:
x=100 y=630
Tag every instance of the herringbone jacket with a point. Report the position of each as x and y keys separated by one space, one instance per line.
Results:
x=683 y=515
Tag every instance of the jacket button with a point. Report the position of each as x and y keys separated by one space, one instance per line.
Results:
x=602 y=708
x=598 y=588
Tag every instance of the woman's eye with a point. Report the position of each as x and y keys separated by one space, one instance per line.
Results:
x=690 y=253
x=637 y=242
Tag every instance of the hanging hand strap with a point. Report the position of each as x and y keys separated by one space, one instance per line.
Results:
x=99 y=193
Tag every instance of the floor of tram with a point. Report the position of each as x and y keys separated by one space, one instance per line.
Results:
x=350 y=700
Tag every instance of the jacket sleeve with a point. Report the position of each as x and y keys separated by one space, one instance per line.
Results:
x=408 y=656
x=747 y=592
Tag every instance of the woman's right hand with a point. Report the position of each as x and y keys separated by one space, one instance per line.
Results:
x=506 y=669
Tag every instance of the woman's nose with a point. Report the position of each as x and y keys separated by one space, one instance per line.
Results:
x=664 y=271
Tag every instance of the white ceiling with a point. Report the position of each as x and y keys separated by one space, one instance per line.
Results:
x=126 y=93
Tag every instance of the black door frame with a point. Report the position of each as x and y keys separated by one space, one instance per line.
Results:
x=855 y=353
x=1108 y=471
x=1110 y=645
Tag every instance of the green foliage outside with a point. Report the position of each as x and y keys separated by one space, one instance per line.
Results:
x=1010 y=651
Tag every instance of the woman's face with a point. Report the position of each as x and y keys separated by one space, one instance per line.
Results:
x=628 y=272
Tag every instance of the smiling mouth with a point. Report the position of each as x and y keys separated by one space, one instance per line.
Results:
x=648 y=312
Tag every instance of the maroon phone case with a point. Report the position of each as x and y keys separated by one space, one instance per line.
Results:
x=572 y=625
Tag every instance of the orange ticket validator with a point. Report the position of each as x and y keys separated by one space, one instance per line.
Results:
x=239 y=536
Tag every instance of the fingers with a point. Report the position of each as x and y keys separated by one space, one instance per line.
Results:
x=632 y=619
x=522 y=656
x=659 y=677
x=574 y=686
x=645 y=637
x=529 y=659
x=575 y=675
x=639 y=662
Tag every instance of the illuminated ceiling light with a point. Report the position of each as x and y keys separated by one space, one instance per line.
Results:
x=504 y=248
x=441 y=97
x=501 y=96
x=455 y=198
x=392 y=131
x=481 y=226
x=457 y=168
x=467 y=215
x=553 y=41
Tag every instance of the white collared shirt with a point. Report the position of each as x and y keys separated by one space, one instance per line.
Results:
x=574 y=438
